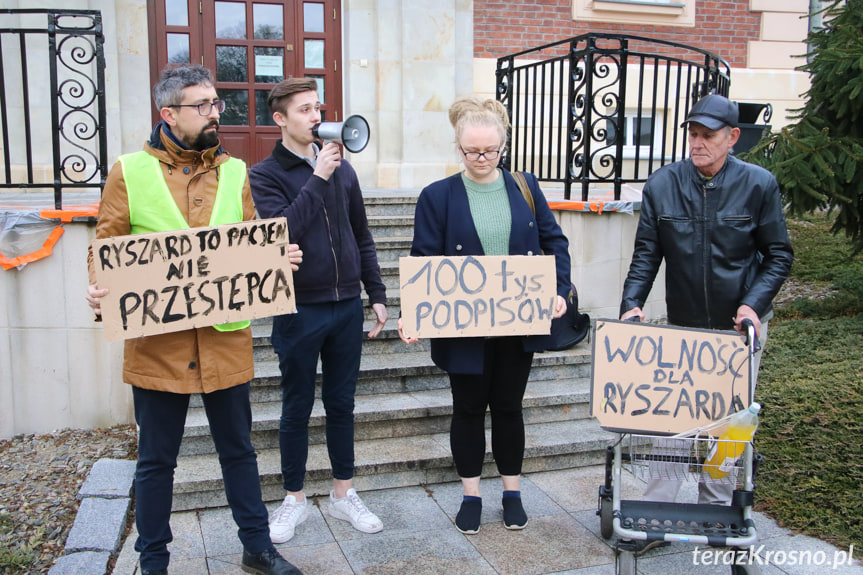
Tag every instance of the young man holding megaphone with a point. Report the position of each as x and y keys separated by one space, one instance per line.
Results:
x=318 y=192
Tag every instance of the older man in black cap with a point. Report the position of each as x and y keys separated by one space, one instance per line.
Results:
x=718 y=224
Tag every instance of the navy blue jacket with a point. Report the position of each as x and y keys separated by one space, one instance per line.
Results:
x=443 y=226
x=328 y=220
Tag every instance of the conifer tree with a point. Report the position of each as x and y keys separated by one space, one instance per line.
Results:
x=818 y=160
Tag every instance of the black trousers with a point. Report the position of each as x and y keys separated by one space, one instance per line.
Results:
x=500 y=389
x=161 y=416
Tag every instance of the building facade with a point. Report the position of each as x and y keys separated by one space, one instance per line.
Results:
x=399 y=64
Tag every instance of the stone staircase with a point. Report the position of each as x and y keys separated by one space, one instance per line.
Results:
x=403 y=404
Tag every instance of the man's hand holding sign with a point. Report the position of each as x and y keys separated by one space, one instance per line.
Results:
x=171 y=281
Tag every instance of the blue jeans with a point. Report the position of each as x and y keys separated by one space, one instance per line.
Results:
x=334 y=332
x=161 y=416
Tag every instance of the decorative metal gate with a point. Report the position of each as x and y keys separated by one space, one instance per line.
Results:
x=52 y=100
x=603 y=109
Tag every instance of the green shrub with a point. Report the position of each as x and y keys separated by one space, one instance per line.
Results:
x=811 y=387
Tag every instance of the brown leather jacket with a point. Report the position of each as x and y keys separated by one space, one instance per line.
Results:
x=195 y=360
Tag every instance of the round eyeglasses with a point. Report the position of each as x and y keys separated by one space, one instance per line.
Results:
x=204 y=108
x=474 y=156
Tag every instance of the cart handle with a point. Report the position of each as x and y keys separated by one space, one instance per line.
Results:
x=751 y=340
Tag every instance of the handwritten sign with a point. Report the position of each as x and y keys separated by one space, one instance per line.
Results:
x=171 y=281
x=666 y=379
x=473 y=296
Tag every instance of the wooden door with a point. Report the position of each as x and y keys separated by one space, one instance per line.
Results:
x=250 y=45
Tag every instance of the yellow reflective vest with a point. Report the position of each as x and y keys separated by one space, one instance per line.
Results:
x=152 y=207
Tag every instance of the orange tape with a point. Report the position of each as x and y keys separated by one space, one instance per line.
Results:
x=68 y=212
x=42 y=252
x=65 y=215
x=593 y=206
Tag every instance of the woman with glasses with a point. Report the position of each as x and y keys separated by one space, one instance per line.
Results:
x=481 y=211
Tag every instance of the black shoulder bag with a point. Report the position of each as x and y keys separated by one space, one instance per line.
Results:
x=573 y=326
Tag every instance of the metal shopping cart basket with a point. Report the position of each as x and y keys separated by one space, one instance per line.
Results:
x=658 y=454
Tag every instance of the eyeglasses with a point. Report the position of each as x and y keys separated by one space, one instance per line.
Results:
x=474 y=156
x=204 y=108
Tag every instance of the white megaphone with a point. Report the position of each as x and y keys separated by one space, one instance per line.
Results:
x=353 y=133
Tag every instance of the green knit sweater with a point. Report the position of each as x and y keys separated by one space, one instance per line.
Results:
x=489 y=208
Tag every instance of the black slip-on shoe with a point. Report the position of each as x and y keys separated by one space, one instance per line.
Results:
x=268 y=562
x=468 y=517
x=514 y=516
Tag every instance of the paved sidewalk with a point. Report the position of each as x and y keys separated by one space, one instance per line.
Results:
x=419 y=538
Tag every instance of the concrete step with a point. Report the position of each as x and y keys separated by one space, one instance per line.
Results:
x=391 y=226
x=395 y=462
x=387 y=341
x=390 y=249
x=411 y=371
x=390 y=202
x=397 y=415
x=390 y=276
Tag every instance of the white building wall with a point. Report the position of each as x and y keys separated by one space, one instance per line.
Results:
x=406 y=61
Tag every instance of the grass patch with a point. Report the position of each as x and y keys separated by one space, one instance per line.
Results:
x=15 y=555
x=810 y=386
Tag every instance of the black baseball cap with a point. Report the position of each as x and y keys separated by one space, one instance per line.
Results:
x=714 y=112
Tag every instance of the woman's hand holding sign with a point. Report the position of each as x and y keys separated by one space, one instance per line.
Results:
x=559 y=307
x=402 y=335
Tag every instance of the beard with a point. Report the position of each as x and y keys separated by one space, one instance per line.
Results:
x=205 y=140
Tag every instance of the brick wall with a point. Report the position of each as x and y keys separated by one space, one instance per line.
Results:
x=502 y=28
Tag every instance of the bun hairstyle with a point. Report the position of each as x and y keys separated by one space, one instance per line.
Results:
x=475 y=111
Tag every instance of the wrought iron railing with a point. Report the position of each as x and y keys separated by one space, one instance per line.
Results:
x=603 y=110
x=52 y=100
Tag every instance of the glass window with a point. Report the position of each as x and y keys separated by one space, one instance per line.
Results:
x=231 y=64
x=632 y=138
x=314 y=50
x=230 y=20
x=313 y=17
x=639 y=12
x=263 y=117
x=237 y=110
x=176 y=13
x=178 y=48
x=321 y=92
x=269 y=65
x=645 y=135
x=268 y=21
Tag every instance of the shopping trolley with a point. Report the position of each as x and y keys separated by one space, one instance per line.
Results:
x=681 y=457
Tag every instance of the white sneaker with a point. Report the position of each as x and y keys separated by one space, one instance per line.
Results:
x=284 y=520
x=352 y=509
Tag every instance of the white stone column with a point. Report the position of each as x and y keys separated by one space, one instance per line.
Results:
x=405 y=61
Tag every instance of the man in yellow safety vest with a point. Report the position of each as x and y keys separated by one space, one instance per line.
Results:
x=181 y=179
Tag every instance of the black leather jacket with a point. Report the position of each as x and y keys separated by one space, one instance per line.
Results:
x=724 y=242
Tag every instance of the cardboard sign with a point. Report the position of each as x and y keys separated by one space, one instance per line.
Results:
x=666 y=379
x=473 y=296
x=171 y=281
